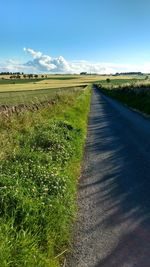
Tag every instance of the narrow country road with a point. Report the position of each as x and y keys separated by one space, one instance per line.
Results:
x=113 y=228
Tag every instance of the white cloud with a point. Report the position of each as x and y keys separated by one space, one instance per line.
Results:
x=44 y=63
x=11 y=65
x=33 y=53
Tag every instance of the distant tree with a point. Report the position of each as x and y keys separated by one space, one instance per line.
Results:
x=42 y=76
x=108 y=80
x=30 y=76
x=13 y=76
x=83 y=73
x=36 y=76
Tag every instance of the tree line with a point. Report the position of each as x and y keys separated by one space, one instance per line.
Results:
x=18 y=75
x=11 y=73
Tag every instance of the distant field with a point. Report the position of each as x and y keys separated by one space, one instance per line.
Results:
x=33 y=90
x=32 y=96
x=55 y=81
x=119 y=81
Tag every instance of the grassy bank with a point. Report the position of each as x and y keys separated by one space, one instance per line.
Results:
x=40 y=155
x=135 y=95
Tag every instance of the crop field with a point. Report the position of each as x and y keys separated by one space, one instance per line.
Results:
x=27 y=91
x=32 y=96
x=53 y=81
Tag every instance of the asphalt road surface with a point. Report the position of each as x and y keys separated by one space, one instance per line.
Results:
x=113 y=227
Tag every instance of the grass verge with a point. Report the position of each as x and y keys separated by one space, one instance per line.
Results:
x=40 y=158
x=136 y=96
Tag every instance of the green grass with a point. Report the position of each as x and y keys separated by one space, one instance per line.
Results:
x=135 y=95
x=118 y=82
x=71 y=77
x=19 y=81
x=33 y=96
x=40 y=157
x=31 y=80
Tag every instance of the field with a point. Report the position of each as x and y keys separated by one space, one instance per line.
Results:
x=53 y=81
x=25 y=91
x=30 y=97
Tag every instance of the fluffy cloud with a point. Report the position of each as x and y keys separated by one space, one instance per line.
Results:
x=44 y=63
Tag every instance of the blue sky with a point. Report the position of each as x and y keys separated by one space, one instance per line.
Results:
x=96 y=31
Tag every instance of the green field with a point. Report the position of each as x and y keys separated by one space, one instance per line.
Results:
x=32 y=96
x=55 y=81
x=26 y=91
x=111 y=83
x=18 y=81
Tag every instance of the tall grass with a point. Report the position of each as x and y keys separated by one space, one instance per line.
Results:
x=40 y=157
x=135 y=95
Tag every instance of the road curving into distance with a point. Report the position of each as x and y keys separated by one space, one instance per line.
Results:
x=113 y=227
